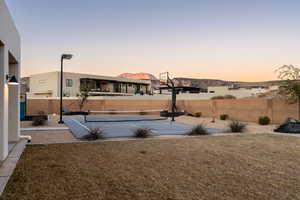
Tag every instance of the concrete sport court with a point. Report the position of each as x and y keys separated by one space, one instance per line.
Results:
x=124 y=126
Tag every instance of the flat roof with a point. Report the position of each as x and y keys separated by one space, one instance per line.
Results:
x=99 y=77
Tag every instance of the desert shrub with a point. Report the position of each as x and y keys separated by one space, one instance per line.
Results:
x=237 y=126
x=189 y=114
x=143 y=113
x=217 y=97
x=198 y=114
x=224 y=117
x=264 y=120
x=142 y=132
x=38 y=120
x=262 y=95
x=112 y=112
x=228 y=96
x=94 y=134
x=41 y=113
x=198 y=130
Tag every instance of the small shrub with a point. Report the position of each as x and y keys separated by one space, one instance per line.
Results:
x=143 y=113
x=143 y=152
x=264 y=120
x=237 y=127
x=198 y=114
x=112 y=112
x=228 y=96
x=217 y=97
x=38 y=121
x=198 y=130
x=142 y=132
x=224 y=117
x=94 y=134
x=41 y=113
x=190 y=114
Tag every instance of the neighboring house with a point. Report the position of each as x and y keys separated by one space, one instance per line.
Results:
x=9 y=92
x=24 y=87
x=48 y=85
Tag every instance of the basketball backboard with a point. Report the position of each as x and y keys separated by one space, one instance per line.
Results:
x=164 y=78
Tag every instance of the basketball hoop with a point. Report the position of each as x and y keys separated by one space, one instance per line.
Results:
x=164 y=78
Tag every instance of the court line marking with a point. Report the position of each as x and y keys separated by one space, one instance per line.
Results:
x=85 y=127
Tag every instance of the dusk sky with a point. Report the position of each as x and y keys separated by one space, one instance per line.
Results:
x=226 y=39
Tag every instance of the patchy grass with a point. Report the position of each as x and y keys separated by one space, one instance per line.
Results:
x=228 y=167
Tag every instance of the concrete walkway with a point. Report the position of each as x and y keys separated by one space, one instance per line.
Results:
x=46 y=129
x=8 y=166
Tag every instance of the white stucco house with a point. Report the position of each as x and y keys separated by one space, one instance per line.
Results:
x=10 y=58
x=48 y=85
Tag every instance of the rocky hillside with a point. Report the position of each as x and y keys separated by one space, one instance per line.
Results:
x=199 y=83
x=204 y=83
x=141 y=75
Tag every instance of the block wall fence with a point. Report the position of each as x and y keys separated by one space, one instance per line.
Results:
x=239 y=109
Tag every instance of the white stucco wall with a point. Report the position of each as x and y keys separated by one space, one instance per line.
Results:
x=8 y=31
x=45 y=84
x=9 y=97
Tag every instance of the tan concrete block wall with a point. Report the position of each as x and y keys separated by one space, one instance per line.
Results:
x=239 y=109
x=193 y=106
x=282 y=110
x=49 y=106
x=243 y=109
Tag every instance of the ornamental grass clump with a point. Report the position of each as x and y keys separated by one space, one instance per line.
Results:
x=142 y=132
x=198 y=130
x=236 y=126
x=95 y=134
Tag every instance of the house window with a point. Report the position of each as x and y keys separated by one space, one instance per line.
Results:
x=42 y=82
x=69 y=83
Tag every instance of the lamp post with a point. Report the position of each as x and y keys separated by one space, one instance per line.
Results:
x=67 y=57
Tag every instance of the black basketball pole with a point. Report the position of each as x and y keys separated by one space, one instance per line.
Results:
x=61 y=91
x=173 y=99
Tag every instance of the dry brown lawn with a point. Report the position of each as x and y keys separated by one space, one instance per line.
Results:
x=228 y=167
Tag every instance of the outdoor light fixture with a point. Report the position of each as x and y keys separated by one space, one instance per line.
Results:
x=63 y=57
x=11 y=80
x=67 y=56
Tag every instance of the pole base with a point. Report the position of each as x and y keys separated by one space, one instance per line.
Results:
x=61 y=122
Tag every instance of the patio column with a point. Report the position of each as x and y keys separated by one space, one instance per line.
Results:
x=3 y=103
x=14 y=106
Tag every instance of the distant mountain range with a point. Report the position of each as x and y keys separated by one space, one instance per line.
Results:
x=204 y=83
x=201 y=83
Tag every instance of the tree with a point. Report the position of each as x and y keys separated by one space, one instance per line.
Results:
x=83 y=97
x=292 y=84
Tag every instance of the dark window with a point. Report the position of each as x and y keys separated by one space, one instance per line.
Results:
x=69 y=83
